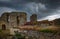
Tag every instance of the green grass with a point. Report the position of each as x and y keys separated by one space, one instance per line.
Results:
x=0 y=30
x=47 y=31
x=18 y=35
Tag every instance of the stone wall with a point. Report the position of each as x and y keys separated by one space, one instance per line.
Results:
x=41 y=35
x=13 y=19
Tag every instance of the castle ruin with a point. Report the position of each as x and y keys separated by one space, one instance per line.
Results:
x=12 y=19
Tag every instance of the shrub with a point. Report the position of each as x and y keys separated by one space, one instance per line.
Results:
x=19 y=36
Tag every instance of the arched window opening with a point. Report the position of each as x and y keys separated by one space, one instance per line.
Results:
x=3 y=27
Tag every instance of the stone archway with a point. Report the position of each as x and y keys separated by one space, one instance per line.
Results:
x=3 y=27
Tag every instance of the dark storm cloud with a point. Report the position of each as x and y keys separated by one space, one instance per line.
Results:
x=42 y=8
x=48 y=3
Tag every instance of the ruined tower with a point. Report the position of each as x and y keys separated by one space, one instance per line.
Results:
x=17 y=18
x=13 y=20
x=4 y=20
x=21 y=18
x=5 y=16
x=33 y=19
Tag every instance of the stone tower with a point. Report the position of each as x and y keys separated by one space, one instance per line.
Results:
x=5 y=16
x=12 y=19
x=21 y=18
x=33 y=19
x=17 y=18
x=4 y=20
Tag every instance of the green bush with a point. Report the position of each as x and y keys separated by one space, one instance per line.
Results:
x=19 y=36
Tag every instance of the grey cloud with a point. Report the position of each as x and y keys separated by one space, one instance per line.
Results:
x=42 y=8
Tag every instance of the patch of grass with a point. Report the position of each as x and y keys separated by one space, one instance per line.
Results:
x=47 y=31
x=19 y=36
x=3 y=34
x=0 y=30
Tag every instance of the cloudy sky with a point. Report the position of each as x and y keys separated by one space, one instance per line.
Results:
x=45 y=9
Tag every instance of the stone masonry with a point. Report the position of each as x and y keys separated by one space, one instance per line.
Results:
x=13 y=19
